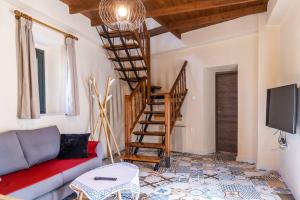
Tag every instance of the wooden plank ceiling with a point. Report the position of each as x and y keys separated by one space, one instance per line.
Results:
x=179 y=16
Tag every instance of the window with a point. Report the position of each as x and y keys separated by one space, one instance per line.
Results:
x=40 y=56
x=50 y=53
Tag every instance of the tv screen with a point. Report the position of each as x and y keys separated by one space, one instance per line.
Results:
x=282 y=108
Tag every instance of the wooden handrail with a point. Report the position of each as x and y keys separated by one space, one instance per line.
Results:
x=177 y=95
x=173 y=102
x=179 y=76
x=135 y=104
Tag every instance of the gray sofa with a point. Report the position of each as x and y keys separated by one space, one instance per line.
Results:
x=23 y=150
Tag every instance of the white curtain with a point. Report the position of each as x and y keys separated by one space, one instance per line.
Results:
x=28 y=91
x=117 y=113
x=72 y=98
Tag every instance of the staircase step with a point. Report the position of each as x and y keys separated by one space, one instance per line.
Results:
x=158 y=95
x=156 y=103
x=147 y=112
x=147 y=145
x=132 y=79
x=132 y=69
x=121 y=47
x=149 y=133
x=126 y=59
x=116 y=34
x=151 y=122
x=140 y=158
x=155 y=87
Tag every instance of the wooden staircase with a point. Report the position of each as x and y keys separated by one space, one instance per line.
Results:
x=130 y=53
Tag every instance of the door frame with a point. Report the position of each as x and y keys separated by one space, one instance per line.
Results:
x=216 y=105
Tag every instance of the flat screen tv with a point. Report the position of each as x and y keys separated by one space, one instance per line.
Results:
x=282 y=108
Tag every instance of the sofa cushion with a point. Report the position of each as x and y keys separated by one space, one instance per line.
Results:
x=40 y=188
x=11 y=154
x=73 y=146
x=40 y=145
x=25 y=178
x=59 y=193
x=74 y=172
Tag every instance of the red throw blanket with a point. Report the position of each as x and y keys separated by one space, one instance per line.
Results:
x=24 y=178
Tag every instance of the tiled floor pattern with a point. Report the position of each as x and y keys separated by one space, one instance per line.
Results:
x=217 y=176
x=210 y=177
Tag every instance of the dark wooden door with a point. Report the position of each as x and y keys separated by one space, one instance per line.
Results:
x=226 y=111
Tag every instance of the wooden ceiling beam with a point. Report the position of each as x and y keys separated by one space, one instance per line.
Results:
x=93 y=6
x=174 y=32
x=217 y=18
x=240 y=8
x=84 y=6
x=197 y=6
x=187 y=29
x=153 y=32
x=158 y=31
x=87 y=6
x=96 y=21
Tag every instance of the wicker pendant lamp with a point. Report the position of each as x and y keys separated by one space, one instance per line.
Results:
x=122 y=14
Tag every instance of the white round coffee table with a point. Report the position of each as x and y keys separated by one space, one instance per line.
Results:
x=127 y=180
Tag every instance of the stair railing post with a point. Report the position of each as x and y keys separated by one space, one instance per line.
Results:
x=127 y=117
x=147 y=51
x=168 y=130
x=143 y=39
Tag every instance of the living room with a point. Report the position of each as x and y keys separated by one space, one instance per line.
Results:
x=258 y=40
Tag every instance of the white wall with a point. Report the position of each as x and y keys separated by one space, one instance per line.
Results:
x=216 y=33
x=241 y=51
x=290 y=73
x=90 y=60
x=278 y=64
x=233 y=42
x=266 y=56
x=268 y=77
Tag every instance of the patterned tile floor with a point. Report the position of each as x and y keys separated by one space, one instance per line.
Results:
x=216 y=176
x=211 y=177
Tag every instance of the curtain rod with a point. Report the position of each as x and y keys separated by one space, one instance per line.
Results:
x=19 y=14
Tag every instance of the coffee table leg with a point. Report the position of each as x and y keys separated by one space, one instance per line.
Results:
x=81 y=196
x=135 y=196
x=119 y=196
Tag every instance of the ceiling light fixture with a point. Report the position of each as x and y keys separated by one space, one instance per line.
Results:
x=122 y=14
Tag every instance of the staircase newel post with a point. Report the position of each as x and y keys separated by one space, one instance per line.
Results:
x=148 y=80
x=148 y=61
x=128 y=113
x=168 y=130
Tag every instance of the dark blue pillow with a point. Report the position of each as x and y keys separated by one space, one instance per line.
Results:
x=73 y=146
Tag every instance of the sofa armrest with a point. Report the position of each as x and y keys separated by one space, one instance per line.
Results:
x=99 y=151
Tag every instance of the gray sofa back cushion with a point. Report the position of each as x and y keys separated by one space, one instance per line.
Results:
x=11 y=155
x=40 y=145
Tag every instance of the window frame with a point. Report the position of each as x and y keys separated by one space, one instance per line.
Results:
x=40 y=57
